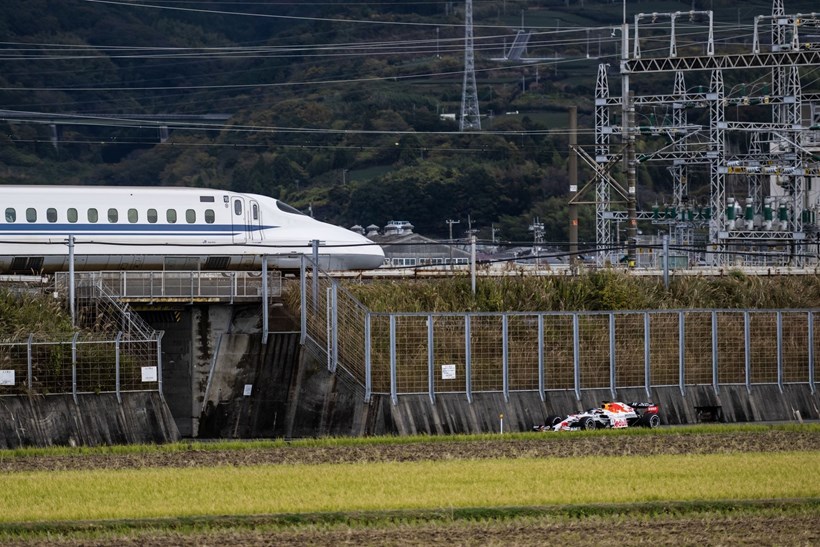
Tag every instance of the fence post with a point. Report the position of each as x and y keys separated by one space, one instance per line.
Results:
x=394 y=396
x=780 y=350
x=541 y=357
x=234 y=286
x=811 y=352
x=715 y=375
x=315 y=269
x=265 y=306
x=71 y=295
x=505 y=362
x=329 y=329
x=576 y=355
x=29 y=367
x=431 y=384
x=747 y=342
x=468 y=358
x=117 y=365
x=682 y=352
x=368 y=371
x=647 y=355
x=74 y=366
x=612 y=386
x=160 y=334
x=303 y=299
x=334 y=325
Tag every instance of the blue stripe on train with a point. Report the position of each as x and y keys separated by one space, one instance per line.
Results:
x=123 y=229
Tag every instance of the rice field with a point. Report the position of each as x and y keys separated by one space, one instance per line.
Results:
x=486 y=489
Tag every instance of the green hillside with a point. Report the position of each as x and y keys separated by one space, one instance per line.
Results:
x=332 y=106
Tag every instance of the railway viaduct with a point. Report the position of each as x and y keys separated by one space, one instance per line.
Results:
x=226 y=373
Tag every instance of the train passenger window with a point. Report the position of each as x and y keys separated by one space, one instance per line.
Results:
x=171 y=215
x=113 y=215
x=11 y=215
x=288 y=208
x=31 y=214
x=133 y=216
x=152 y=216
x=71 y=214
x=93 y=216
x=237 y=206
x=190 y=216
x=210 y=216
x=51 y=214
x=255 y=209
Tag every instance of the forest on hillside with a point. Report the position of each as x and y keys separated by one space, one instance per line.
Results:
x=343 y=109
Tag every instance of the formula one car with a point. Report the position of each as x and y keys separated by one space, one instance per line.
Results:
x=610 y=415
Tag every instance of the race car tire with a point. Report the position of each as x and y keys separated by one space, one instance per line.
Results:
x=652 y=421
x=587 y=423
x=552 y=421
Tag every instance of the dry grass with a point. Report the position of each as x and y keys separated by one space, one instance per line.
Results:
x=600 y=290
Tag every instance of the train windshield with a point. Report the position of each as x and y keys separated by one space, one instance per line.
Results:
x=284 y=207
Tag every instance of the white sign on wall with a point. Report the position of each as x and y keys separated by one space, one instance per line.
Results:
x=248 y=389
x=448 y=372
x=149 y=374
x=6 y=377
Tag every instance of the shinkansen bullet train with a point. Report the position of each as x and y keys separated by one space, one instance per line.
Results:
x=143 y=228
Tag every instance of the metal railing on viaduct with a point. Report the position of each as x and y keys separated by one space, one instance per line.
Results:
x=435 y=353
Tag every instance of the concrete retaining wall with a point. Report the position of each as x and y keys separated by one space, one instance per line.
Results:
x=94 y=420
x=295 y=396
x=451 y=413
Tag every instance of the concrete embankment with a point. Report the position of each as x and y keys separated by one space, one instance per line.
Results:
x=277 y=389
x=294 y=395
x=93 y=420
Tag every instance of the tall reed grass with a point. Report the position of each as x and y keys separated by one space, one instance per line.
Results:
x=594 y=291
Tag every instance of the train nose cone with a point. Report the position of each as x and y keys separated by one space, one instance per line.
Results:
x=354 y=252
x=370 y=257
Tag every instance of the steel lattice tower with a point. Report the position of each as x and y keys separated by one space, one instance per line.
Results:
x=470 y=118
x=780 y=153
x=603 y=233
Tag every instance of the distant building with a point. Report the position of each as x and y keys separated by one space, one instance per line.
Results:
x=404 y=248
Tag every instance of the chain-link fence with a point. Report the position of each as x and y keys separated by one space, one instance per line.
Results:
x=430 y=353
x=115 y=350
x=79 y=365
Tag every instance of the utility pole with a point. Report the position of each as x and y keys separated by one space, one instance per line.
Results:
x=628 y=117
x=573 y=184
x=450 y=223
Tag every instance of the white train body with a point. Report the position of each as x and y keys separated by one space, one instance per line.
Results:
x=147 y=228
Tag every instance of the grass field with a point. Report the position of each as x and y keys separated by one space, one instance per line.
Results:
x=485 y=489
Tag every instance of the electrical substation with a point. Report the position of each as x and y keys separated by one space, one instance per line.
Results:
x=744 y=162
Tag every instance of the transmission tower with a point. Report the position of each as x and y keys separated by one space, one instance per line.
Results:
x=777 y=229
x=470 y=118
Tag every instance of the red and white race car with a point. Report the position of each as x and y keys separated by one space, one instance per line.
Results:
x=610 y=415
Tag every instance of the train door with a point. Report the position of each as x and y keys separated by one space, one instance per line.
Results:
x=238 y=220
x=254 y=221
